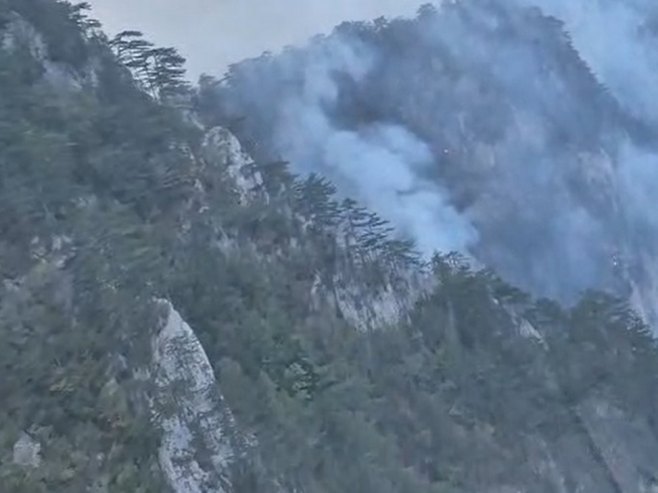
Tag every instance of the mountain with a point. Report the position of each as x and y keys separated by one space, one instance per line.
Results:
x=504 y=142
x=181 y=311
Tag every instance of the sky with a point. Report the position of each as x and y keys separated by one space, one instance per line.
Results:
x=212 y=34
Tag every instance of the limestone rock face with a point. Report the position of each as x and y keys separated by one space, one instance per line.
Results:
x=197 y=427
x=388 y=305
x=27 y=452
x=221 y=148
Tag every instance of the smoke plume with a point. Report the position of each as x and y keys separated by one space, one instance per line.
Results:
x=521 y=132
x=381 y=164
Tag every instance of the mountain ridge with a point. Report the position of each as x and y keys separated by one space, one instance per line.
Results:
x=541 y=171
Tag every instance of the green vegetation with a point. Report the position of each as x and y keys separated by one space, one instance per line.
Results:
x=106 y=203
x=78 y=186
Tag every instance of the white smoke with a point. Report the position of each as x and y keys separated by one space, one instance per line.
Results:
x=551 y=184
x=638 y=183
x=617 y=39
x=526 y=219
x=380 y=164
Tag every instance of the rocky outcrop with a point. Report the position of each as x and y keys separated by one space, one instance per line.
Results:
x=222 y=149
x=383 y=306
x=198 y=432
x=27 y=452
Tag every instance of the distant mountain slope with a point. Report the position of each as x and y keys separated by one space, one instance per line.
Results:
x=504 y=142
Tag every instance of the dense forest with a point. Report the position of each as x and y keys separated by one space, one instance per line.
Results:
x=116 y=191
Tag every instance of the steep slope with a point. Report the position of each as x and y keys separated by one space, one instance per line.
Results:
x=501 y=140
x=177 y=316
x=111 y=202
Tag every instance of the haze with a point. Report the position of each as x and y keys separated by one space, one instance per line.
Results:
x=212 y=34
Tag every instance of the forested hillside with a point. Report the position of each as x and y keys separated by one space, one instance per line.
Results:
x=497 y=132
x=177 y=316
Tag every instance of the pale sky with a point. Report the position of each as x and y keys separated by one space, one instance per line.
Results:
x=211 y=34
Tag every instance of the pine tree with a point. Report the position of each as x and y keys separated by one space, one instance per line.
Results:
x=132 y=50
x=79 y=15
x=166 y=75
x=315 y=201
x=160 y=71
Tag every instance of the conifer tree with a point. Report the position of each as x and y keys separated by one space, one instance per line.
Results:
x=166 y=73
x=79 y=15
x=132 y=50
